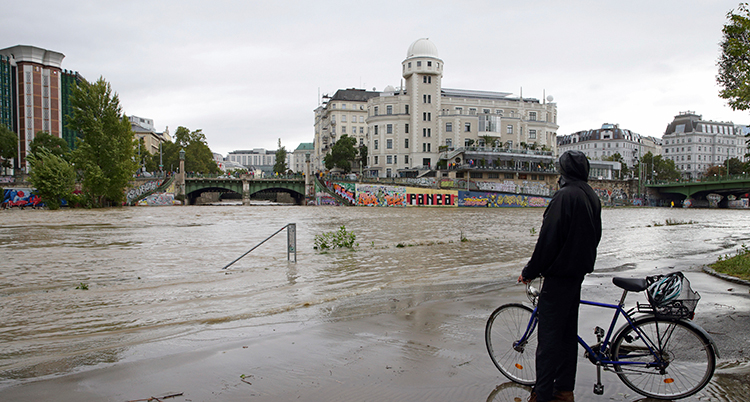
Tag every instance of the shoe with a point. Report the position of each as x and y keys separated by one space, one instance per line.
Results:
x=563 y=396
x=532 y=397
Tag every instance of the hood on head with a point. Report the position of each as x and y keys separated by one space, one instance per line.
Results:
x=574 y=165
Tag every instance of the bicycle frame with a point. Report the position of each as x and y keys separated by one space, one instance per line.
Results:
x=600 y=357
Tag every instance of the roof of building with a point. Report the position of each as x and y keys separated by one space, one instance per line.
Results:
x=422 y=48
x=33 y=54
x=353 y=94
x=305 y=146
x=687 y=122
x=468 y=93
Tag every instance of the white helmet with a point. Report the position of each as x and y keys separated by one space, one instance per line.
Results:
x=665 y=289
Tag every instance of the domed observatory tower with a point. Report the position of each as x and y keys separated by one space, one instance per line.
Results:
x=423 y=71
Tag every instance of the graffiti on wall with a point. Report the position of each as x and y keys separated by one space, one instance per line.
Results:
x=323 y=198
x=428 y=197
x=21 y=197
x=499 y=200
x=508 y=186
x=144 y=188
x=345 y=191
x=380 y=196
x=157 y=199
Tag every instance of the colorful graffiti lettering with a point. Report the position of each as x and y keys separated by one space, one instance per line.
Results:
x=157 y=199
x=380 y=196
x=431 y=199
x=345 y=191
x=499 y=200
x=21 y=197
x=136 y=192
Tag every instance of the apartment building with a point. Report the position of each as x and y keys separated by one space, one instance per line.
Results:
x=610 y=139
x=695 y=144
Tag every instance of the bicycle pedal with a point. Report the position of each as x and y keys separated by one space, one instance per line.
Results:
x=598 y=389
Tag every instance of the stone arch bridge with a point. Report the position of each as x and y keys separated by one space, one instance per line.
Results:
x=249 y=188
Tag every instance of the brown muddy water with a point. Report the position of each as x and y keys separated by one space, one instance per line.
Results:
x=80 y=288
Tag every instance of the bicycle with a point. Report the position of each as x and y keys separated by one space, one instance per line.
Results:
x=658 y=352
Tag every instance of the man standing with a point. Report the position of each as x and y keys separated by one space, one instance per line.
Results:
x=565 y=252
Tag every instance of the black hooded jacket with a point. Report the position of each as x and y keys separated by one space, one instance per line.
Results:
x=572 y=225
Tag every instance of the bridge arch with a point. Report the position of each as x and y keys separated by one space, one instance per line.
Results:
x=248 y=188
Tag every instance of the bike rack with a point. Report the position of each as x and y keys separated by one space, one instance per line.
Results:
x=291 y=243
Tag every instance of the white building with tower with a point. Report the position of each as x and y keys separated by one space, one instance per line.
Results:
x=408 y=130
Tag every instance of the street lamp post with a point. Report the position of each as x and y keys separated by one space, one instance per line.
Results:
x=182 y=176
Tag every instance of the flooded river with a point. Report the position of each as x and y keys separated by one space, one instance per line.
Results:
x=80 y=287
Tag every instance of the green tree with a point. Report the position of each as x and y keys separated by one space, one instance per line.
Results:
x=105 y=153
x=56 y=145
x=656 y=168
x=279 y=166
x=52 y=176
x=734 y=60
x=342 y=154
x=616 y=157
x=8 y=146
x=362 y=152
x=198 y=156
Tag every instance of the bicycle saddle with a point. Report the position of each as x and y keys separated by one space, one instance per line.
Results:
x=631 y=284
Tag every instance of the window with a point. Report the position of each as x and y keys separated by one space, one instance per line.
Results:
x=389 y=159
x=376 y=159
x=361 y=129
x=426 y=147
x=427 y=79
x=406 y=109
x=475 y=175
x=493 y=175
x=429 y=64
x=419 y=64
x=361 y=119
x=459 y=110
x=343 y=129
x=499 y=112
x=333 y=118
x=472 y=111
x=389 y=144
x=426 y=132
x=467 y=127
x=389 y=128
x=532 y=134
x=426 y=116
x=406 y=143
x=389 y=109
x=509 y=129
x=406 y=158
x=343 y=106
x=376 y=110
x=449 y=127
x=376 y=130
x=427 y=98
x=343 y=118
x=532 y=116
x=448 y=142
x=375 y=145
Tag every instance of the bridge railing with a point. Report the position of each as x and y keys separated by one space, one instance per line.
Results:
x=242 y=176
x=706 y=179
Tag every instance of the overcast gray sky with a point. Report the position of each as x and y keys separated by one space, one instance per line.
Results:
x=249 y=72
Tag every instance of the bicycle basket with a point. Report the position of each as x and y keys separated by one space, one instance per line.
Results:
x=670 y=296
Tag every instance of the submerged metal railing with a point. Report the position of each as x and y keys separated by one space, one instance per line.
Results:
x=291 y=243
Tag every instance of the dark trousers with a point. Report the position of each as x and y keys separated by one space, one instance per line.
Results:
x=557 y=352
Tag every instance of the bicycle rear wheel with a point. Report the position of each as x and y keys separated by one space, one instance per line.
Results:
x=505 y=327
x=682 y=362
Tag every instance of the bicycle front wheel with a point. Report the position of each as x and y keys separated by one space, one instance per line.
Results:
x=663 y=359
x=513 y=355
